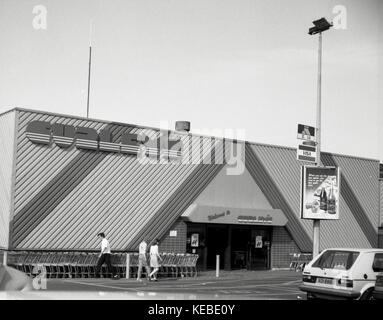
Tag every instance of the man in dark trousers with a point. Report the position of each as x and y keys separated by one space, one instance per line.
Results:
x=104 y=256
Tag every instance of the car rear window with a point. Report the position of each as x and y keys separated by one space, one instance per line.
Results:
x=377 y=265
x=333 y=259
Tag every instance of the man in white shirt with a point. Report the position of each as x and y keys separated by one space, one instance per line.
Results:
x=104 y=256
x=142 y=261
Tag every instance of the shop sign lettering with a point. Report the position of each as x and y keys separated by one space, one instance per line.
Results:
x=255 y=219
x=65 y=136
x=218 y=215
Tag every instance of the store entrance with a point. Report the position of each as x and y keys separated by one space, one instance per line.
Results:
x=250 y=248
x=217 y=237
x=239 y=246
x=259 y=249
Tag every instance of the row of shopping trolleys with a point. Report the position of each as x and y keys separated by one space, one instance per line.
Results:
x=298 y=261
x=83 y=264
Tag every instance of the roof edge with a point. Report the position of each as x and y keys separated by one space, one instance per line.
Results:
x=188 y=134
x=7 y=111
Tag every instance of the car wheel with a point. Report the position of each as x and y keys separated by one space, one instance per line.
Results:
x=367 y=295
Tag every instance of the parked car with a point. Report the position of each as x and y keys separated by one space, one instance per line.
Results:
x=378 y=291
x=378 y=266
x=342 y=274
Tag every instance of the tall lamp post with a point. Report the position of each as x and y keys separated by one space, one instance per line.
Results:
x=89 y=66
x=319 y=26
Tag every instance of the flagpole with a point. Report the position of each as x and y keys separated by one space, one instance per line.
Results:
x=90 y=64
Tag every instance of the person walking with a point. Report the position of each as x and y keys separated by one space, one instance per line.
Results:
x=142 y=261
x=104 y=256
x=154 y=257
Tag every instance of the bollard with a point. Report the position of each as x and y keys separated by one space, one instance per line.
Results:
x=5 y=255
x=127 y=266
x=217 y=266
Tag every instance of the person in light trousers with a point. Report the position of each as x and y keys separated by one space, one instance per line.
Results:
x=154 y=260
x=142 y=260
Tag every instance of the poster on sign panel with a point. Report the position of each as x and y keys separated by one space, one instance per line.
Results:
x=258 y=242
x=194 y=240
x=320 y=189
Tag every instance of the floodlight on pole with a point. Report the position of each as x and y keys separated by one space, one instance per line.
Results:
x=320 y=26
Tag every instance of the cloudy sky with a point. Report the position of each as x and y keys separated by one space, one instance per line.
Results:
x=225 y=64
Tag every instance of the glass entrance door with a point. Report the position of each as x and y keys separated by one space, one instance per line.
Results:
x=240 y=242
x=259 y=249
x=250 y=247
x=217 y=237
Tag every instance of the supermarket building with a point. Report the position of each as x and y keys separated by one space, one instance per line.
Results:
x=64 y=179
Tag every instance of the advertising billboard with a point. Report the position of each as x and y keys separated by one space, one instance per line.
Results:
x=320 y=189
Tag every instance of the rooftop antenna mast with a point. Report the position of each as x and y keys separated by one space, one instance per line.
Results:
x=90 y=64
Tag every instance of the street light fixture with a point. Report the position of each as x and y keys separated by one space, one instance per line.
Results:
x=320 y=25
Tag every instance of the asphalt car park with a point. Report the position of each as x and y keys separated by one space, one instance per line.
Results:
x=240 y=285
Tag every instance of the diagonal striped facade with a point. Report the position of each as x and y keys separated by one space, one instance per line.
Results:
x=64 y=197
x=56 y=196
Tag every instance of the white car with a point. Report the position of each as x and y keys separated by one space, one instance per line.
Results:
x=341 y=274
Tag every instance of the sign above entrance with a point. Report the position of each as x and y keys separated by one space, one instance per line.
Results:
x=243 y=216
x=255 y=219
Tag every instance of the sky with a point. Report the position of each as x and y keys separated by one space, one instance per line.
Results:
x=220 y=64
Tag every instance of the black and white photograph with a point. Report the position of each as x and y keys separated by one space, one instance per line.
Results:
x=191 y=156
